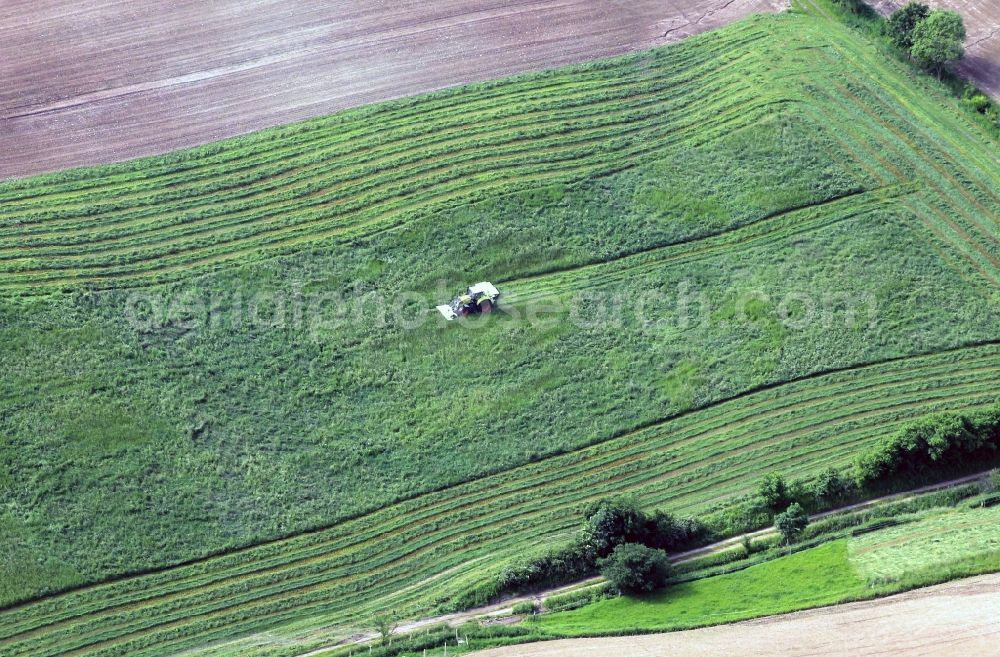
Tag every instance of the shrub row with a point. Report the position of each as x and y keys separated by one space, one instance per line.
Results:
x=947 y=441
x=952 y=441
x=608 y=524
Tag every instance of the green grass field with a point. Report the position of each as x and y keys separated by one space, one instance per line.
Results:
x=812 y=578
x=931 y=544
x=942 y=545
x=395 y=557
x=778 y=164
x=871 y=565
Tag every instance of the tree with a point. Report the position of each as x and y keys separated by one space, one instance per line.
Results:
x=612 y=522
x=385 y=625
x=635 y=568
x=791 y=523
x=665 y=531
x=774 y=492
x=938 y=40
x=831 y=488
x=903 y=21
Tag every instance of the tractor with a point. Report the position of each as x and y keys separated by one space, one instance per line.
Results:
x=477 y=299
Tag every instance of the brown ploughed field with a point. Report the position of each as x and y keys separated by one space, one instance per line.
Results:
x=107 y=80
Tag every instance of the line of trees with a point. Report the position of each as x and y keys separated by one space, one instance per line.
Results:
x=939 y=443
x=617 y=538
x=921 y=450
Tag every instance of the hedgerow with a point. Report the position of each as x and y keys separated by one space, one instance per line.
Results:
x=941 y=441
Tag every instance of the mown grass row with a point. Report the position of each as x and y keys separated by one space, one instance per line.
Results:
x=364 y=158
x=927 y=206
x=954 y=145
x=588 y=135
x=339 y=574
x=395 y=558
x=429 y=127
x=769 y=230
x=207 y=239
x=403 y=118
x=969 y=217
x=285 y=233
x=949 y=244
x=959 y=202
x=366 y=193
x=883 y=139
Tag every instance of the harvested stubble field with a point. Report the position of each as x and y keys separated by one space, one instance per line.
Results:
x=138 y=444
x=94 y=82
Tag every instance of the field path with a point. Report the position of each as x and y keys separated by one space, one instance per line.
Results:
x=950 y=620
x=95 y=82
x=504 y=608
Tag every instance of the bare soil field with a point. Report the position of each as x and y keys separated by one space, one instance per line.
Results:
x=108 y=80
x=951 y=620
x=982 y=48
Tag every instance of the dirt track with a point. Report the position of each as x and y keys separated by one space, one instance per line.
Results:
x=951 y=620
x=505 y=608
x=982 y=22
x=107 y=80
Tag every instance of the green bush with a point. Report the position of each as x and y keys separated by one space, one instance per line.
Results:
x=943 y=439
x=979 y=102
x=832 y=488
x=572 y=561
x=774 y=492
x=737 y=518
x=634 y=568
x=524 y=608
x=611 y=522
x=791 y=523
x=614 y=521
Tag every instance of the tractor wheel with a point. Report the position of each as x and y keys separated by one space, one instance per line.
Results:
x=486 y=307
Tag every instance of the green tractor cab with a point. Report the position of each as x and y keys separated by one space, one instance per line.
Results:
x=478 y=299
